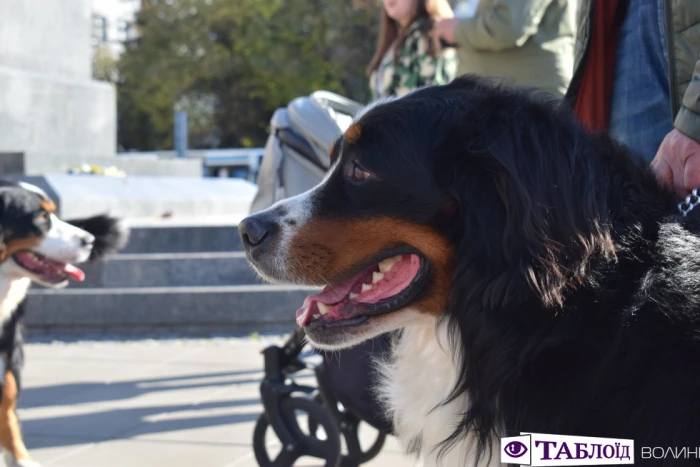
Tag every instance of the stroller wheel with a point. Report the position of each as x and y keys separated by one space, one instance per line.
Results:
x=326 y=447
x=356 y=454
x=350 y=429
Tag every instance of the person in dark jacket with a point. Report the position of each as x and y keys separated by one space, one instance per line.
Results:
x=637 y=76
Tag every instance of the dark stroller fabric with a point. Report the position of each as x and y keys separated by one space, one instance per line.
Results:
x=354 y=378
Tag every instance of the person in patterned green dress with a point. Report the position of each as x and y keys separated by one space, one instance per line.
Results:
x=407 y=56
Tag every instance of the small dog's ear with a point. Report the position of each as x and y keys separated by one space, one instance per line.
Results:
x=111 y=235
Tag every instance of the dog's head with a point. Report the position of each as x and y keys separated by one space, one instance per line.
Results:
x=36 y=244
x=495 y=195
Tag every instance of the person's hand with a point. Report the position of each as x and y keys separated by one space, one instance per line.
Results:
x=445 y=29
x=677 y=162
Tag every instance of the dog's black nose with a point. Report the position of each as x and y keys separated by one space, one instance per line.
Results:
x=254 y=230
x=87 y=240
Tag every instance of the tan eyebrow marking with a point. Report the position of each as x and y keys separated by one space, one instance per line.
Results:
x=353 y=133
x=48 y=205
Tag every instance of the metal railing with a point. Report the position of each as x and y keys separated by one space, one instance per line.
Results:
x=225 y=163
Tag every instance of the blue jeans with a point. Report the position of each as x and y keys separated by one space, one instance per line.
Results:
x=640 y=114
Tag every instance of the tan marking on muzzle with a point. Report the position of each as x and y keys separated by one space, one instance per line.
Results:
x=328 y=251
x=13 y=246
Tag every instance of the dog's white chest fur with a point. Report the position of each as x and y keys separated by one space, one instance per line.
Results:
x=415 y=383
x=12 y=293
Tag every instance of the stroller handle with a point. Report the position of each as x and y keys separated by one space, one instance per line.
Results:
x=326 y=99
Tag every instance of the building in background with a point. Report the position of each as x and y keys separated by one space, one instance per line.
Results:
x=53 y=115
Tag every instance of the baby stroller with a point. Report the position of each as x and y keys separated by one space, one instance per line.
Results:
x=322 y=420
x=296 y=154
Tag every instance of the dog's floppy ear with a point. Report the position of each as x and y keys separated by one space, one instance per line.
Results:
x=111 y=235
x=532 y=215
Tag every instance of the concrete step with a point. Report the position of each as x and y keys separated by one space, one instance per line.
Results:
x=131 y=165
x=170 y=270
x=183 y=239
x=230 y=309
x=150 y=198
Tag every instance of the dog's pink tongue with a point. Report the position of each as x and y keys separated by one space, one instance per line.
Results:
x=330 y=295
x=74 y=273
x=304 y=313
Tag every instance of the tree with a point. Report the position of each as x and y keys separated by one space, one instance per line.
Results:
x=231 y=63
x=104 y=66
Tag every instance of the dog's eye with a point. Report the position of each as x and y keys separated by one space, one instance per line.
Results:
x=358 y=173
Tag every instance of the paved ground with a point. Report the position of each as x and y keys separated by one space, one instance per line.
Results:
x=166 y=402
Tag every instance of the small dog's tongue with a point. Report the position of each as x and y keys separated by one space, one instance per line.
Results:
x=74 y=273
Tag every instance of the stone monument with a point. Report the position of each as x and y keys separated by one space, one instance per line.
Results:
x=52 y=114
x=55 y=117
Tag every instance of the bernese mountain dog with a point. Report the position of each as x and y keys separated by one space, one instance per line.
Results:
x=537 y=278
x=36 y=246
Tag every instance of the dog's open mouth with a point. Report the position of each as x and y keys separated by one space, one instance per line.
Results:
x=387 y=286
x=49 y=270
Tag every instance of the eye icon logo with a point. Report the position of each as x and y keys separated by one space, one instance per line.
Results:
x=515 y=449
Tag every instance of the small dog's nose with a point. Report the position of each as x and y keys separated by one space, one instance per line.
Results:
x=87 y=240
x=254 y=231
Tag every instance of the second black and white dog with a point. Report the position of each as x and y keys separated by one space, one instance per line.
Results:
x=36 y=246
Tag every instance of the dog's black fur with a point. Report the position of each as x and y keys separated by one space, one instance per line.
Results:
x=110 y=237
x=574 y=281
x=575 y=300
x=18 y=219
x=34 y=242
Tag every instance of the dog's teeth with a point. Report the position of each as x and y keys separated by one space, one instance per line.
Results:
x=353 y=295
x=377 y=276
x=316 y=316
x=386 y=265
x=323 y=308
x=366 y=288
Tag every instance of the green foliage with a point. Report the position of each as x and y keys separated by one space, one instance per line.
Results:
x=231 y=63
x=104 y=67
